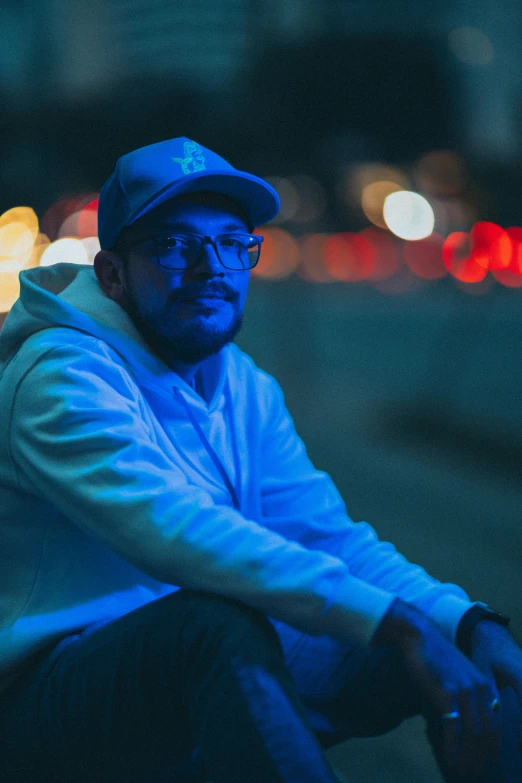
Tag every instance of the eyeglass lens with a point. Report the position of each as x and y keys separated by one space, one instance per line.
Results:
x=235 y=251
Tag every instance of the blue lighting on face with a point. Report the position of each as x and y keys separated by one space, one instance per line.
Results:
x=164 y=303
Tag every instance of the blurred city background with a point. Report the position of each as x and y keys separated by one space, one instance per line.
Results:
x=388 y=298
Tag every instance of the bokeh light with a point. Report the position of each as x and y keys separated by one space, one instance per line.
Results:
x=18 y=232
x=312 y=198
x=458 y=258
x=386 y=253
x=471 y=45
x=515 y=235
x=279 y=254
x=441 y=173
x=408 y=215
x=41 y=243
x=23 y=215
x=69 y=250
x=357 y=178
x=424 y=257
x=9 y=284
x=373 y=197
x=401 y=246
x=92 y=247
x=507 y=278
x=311 y=265
x=491 y=246
x=57 y=213
x=82 y=223
x=289 y=197
x=348 y=257
x=15 y=240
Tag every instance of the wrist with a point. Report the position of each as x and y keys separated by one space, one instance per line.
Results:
x=482 y=615
x=402 y=626
x=486 y=630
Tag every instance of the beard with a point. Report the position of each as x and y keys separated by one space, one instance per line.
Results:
x=173 y=337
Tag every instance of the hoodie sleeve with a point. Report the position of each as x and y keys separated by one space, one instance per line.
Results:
x=77 y=438
x=305 y=504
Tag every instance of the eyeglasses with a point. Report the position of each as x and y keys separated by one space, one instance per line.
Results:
x=182 y=251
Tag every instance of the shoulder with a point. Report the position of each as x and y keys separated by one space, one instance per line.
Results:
x=58 y=340
x=61 y=358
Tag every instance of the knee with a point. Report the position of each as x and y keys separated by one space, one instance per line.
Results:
x=211 y=617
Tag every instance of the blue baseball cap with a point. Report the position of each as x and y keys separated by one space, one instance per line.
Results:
x=146 y=177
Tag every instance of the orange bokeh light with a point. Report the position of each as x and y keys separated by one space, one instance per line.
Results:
x=311 y=265
x=372 y=200
x=279 y=255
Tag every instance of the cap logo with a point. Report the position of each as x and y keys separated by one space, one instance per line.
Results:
x=193 y=157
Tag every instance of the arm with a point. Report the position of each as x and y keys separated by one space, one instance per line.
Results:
x=448 y=683
x=79 y=439
x=305 y=503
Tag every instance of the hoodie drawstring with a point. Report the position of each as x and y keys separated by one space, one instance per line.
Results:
x=214 y=456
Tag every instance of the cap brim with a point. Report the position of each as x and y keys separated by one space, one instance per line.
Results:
x=258 y=199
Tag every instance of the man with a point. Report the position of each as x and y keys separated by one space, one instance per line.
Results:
x=183 y=594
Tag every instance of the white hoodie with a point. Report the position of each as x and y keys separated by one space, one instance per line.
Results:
x=120 y=484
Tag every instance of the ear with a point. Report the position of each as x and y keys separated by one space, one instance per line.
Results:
x=109 y=271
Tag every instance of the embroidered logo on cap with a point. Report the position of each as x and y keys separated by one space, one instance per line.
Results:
x=193 y=155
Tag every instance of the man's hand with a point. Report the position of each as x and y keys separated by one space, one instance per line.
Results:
x=498 y=656
x=448 y=682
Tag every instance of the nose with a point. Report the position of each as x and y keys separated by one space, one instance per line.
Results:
x=209 y=257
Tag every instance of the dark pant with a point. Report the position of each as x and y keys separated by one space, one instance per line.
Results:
x=197 y=682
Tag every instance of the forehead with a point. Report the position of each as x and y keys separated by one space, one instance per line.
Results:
x=193 y=211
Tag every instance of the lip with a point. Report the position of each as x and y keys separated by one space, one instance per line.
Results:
x=203 y=296
x=203 y=299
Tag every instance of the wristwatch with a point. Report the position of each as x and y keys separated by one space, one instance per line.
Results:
x=475 y=614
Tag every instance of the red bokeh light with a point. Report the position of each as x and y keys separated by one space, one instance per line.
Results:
x=491 y=245
x=458 y=259
x=348 y=257
x=386 y=253
x=515 y=235
x=508 y=278
x=88 y=220
x=57 y=213
x=424 y=257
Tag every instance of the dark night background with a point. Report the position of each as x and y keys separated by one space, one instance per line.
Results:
x=408 y=394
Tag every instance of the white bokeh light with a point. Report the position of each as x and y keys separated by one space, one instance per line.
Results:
x=92 y=246
x=68 y=250
x=408 y=215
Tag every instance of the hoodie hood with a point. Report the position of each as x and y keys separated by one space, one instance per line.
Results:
x=69 y=295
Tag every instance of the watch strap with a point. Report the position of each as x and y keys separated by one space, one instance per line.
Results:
x=470 y=619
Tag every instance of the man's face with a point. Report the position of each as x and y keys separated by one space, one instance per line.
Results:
x=161 y=301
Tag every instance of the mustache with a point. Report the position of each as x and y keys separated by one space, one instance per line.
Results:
x=205 y=292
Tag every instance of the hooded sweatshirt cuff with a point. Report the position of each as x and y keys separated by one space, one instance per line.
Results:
x=447 y=612
x=359 y=606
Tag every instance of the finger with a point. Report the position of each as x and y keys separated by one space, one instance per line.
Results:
x=515 y=681
x=473 y=748
x=490 y=718
x=451 y=729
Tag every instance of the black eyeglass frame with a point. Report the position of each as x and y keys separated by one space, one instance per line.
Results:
x=204 y=239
